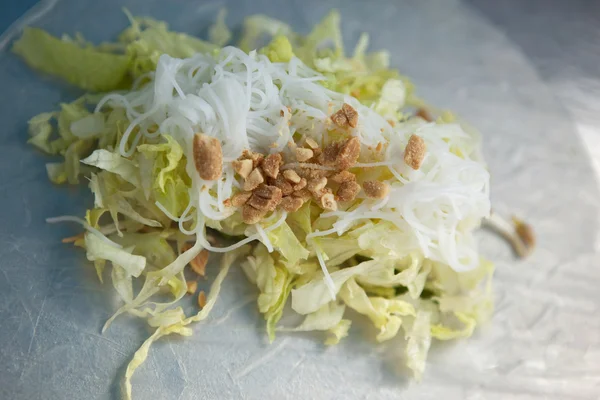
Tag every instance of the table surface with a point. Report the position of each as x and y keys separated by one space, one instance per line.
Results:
x=524 y=73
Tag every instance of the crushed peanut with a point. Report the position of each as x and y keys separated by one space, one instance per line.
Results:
x=342 y=155
x=208 y=156
x=265 y=197
x=346 y=117
x=282 y=183
x=242 y=167
x=251 y=215
x=254 y=179
x=291 y=175
x=301 y=185
x=250 y=155
x=240 y=198
x=192 y=286
x=347 y=191
x=202 y=299
x=291 y=204
x=424 y=114
x=303 y=154
x=415 y=152
x=351 y=115
x=376 y=189
x=310 y=142
x=527 y=236
x=199 y=262
x=270 y=165
x=343 y=176
x=303 y=194
x=315 y=186
x=328 y=202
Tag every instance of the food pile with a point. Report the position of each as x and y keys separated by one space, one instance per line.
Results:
x=331 y=183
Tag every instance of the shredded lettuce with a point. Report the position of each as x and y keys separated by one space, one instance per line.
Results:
x=85 y=67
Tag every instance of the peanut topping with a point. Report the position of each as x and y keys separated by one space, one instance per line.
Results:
x=192 y=286
x=201 y=299
x=255 y=157
x=265 y=197
x=301 y=185
x=328 y=202
x=343 y=176
x=303 y=154
x=351 y=114
x=345 y=117
x=291 y=204
x=282 y=183
x=424 y=114
x=242 y=167
x=348 y=191
x=199 y=262
x=310 y=142
x=315 y=186
x=291 y=175
x=254 y=179
x=342 y=155
x=303 y=194
x=251 y=215
x=208 y=156
x=240 y=198
x=415 y=152
x=270 y=165
x=376 y=189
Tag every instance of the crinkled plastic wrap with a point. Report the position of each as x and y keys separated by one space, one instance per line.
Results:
x=543 y=341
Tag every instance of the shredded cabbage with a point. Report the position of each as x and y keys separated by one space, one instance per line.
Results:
x=407 y=261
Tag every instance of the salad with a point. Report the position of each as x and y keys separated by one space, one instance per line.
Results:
x=321 y=174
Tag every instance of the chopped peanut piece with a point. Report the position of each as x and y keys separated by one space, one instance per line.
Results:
x=525 y=232
x=291 y=175
x=351 y=114
x=301 y=185
x=282 y=183
x=291 y=204
x=342 y=155
x=424 y=114
x=303 y=194
x=251 y=215
x=202 y=299
x=328 y=202
x=254 y=179
x=415 y=152
x=348 y=191
x=339 y=118
x=310 y=142
x=316 y=185
x=242 y=167
x=345 y=117
x=343 y=176
x=208 y=156
x=72 y=239
x=255 y=157
x=240 y=198
x=379 y=146
x=270 y=165
x=376 y=189
x=310 y=173
x=192 y=286
x=265 y=197
x=303 y=154
x=199 y=262
x=348 y=154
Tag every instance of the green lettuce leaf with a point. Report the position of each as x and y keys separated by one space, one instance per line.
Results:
x=84 y=67
x=98 y=249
